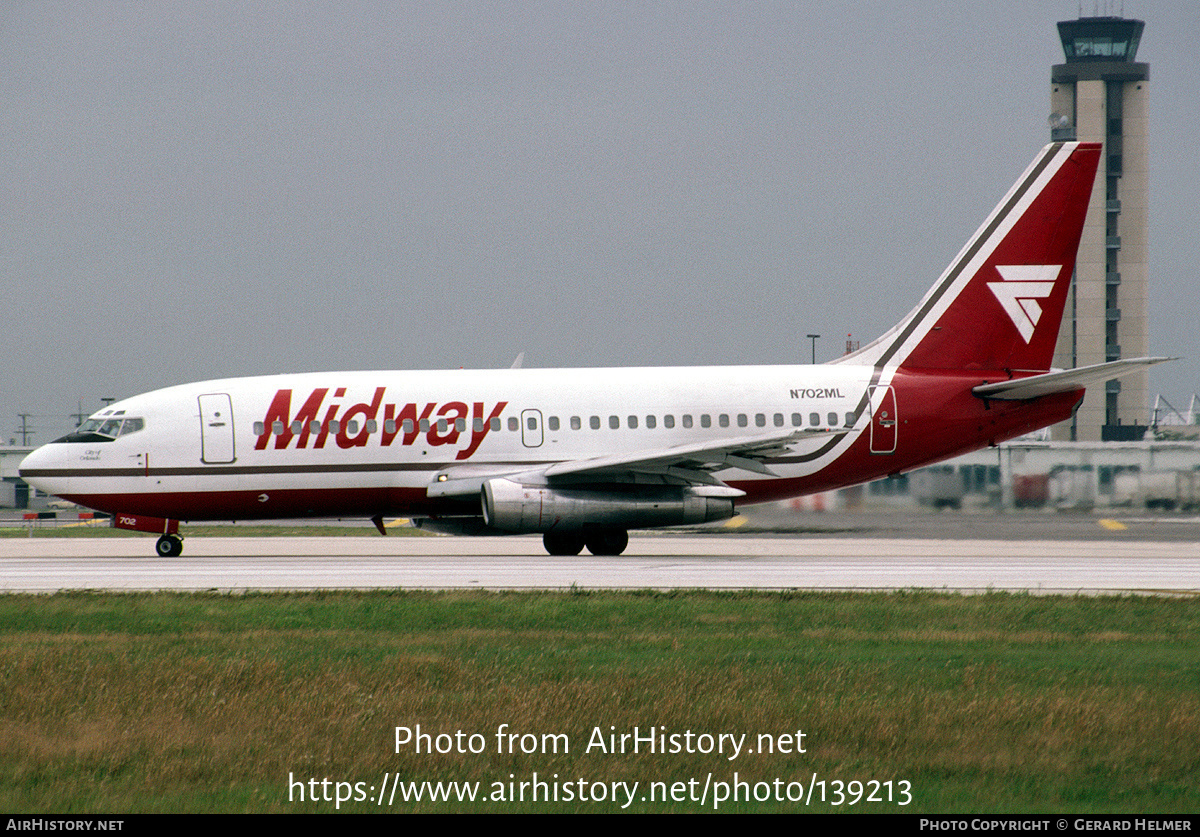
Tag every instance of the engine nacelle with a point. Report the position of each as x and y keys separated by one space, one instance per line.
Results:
x=517 y=508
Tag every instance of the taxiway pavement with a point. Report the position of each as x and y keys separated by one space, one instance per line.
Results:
x=657 y=561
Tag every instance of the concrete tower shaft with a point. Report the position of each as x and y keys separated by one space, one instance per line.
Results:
x=1100 y=94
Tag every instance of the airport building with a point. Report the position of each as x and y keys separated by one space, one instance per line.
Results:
x=1027 y=475
x=14 y=492
x=1100 y=95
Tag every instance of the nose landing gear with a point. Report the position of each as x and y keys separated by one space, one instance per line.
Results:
x=169 y=546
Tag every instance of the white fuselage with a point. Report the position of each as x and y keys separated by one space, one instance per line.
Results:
x=396 y=432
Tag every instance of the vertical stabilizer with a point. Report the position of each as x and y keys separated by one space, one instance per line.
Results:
x=1000 y=303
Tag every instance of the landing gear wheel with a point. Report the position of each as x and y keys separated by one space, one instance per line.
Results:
x=169 y=546
x=563 y=543
x=607 y=542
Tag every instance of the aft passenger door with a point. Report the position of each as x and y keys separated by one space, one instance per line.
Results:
x=216 y=429
x=884 y=422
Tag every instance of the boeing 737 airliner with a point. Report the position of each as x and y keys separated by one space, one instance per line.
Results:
x=582 y=456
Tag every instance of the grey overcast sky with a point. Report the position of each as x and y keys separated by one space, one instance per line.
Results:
x=194 y=190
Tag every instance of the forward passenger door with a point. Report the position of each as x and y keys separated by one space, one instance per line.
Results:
x=216 y=429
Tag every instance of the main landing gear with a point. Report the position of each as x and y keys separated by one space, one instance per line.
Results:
x=598 y=542
x=169 y=546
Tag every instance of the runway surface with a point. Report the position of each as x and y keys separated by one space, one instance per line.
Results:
x=662 y=561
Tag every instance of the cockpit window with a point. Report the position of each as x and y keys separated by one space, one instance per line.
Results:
x=104 y=429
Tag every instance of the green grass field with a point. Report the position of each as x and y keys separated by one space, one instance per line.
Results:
x=993 y=703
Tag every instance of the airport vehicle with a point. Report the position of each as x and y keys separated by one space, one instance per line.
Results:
x=582 y=456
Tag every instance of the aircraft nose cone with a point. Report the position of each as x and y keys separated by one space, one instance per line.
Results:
x=38 y=469
x=32 y=463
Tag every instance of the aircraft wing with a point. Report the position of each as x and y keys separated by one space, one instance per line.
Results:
x=693 y=463
x=1048 y=383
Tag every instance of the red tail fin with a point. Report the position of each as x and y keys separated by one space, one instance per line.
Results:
x=999 y=305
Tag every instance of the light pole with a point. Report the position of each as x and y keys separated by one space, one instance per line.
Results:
x=813 y=338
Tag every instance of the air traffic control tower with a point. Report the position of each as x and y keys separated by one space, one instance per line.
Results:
x=1099 y=94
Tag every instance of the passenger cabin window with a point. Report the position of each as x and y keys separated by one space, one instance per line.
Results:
x=552 y=422
x=513 y=423
x=576 y=423
x=594 y=422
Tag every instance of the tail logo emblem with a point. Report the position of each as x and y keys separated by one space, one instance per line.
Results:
x=1020 y=291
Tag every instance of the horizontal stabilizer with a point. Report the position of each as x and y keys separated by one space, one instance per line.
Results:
x=1048 y=383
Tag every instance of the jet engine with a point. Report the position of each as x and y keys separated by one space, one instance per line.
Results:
x=516 y=508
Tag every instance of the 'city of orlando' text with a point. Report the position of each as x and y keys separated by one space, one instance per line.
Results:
x=440 y=425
